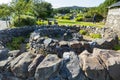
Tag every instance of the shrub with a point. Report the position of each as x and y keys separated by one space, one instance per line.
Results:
x=24 y=20
x=27 y=46
x=79 y=19
x=56 y=17
x=93 y=35
x=15 y=43
x=39 y=22
x=66 y=17
x=116 y=47
x=87 y=15
x=83 y=32
x=61 y=17
x=99 y=17
x=79 y=15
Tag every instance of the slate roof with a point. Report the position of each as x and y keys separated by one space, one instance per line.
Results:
x=115 y=5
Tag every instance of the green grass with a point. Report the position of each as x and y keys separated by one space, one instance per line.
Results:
x=83 y=32
x=94 y=36
x=73 y=22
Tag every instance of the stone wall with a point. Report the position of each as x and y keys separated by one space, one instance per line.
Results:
x=8 y=34
x=113 y=19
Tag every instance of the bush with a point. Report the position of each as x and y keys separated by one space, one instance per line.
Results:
x=15 y=43
x=87 y=15
x=79 y=15
x=93 y=35
x=61 y=17
x=79 y=19
x=27 y=46
x=56 y=17
x=66 y=17
x=24 y=20
x=83 y=32
x=39 y=22
x=99 y=17
x=116 y=47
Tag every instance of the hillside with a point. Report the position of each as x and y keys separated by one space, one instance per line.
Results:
x=72 y=7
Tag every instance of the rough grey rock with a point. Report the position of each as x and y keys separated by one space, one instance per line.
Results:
x=101 y=64
x=3 y=54
x=11 y=78
x=47 y=42
x=1 y=76
x=108 y=43
x=92 y=68
x=4 y=64
x=19 y=66
x=32 y=67
x=47 y=67
x=14 y=53
x=71 y=69
x=76 y=46
x=77 y=36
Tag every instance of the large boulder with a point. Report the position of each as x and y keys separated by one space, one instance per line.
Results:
x=108 y=43
x=47 y=67
x=101 y=64
x=70 y=69
x=76 y=46
x=77 y=36
x=4 y=54
x=19 y=66
x=10 y=78
x=32 y=67
x=4 y=64
x=14 y=53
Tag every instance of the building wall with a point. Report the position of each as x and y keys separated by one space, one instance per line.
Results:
x=113 y=19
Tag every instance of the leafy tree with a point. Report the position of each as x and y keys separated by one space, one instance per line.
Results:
x=5 y=12
x=21 y=7
x=63 y=10
x=43 y=10
x=103 y=8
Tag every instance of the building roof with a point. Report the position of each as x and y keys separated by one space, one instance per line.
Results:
x=115 y=5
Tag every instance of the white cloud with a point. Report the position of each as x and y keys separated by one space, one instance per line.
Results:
x=5 y=1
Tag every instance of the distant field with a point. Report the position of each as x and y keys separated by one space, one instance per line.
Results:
x=72 y=22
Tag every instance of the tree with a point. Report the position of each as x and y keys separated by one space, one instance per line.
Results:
x=103 y=8
x=5 y=12
x=63 y=10
x=21 y=7
x=43 y=10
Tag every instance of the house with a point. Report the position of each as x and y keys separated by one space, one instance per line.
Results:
x=113 y=17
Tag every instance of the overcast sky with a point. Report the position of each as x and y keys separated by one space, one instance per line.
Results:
x=63 y=3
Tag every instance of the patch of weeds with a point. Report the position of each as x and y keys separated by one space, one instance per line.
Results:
x=15 y=43
x=27 y=46
x=93 y=35
x=83 y=32
x=116 y=47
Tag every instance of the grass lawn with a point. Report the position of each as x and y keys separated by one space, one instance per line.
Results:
x=72 y=22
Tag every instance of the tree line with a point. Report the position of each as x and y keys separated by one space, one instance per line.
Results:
x=25 y=12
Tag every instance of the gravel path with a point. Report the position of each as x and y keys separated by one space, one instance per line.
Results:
x=3 y=25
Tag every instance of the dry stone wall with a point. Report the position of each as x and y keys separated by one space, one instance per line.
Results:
x=67 y=65
x=8 y=34
x=113 y=19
